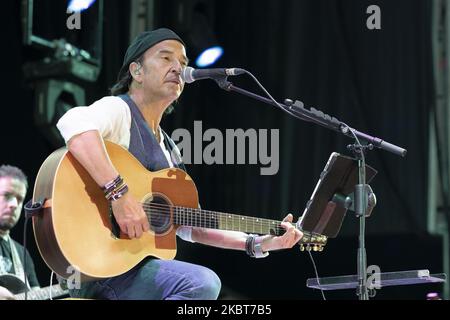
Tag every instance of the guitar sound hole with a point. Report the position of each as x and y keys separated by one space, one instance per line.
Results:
x=159 y=214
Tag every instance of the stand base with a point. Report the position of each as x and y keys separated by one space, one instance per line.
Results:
x=386 y=279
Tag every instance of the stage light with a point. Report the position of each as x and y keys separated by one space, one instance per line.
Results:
x=202 y=41
x=79 y=59
x=194 y=21
x=209 y=57
x=79 y=5
x=53 y=98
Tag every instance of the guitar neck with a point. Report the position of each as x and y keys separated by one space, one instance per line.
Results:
x=193 y=217
x=43 y=293
x=225 y=221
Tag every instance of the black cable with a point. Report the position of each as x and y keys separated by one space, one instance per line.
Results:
x=25 y=256
x=270 y=96
x=317 y=275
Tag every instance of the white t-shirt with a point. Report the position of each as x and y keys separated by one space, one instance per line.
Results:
x=111 y=117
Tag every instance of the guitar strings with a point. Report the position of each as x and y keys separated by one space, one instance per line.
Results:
x=203 y=216
x=169 y=209
x=308 y=238
x=164 y=210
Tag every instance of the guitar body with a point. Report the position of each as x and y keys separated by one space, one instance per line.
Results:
x=12 y=283
x=76 y=229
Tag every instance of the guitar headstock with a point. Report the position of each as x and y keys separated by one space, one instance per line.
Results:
x=312 y=242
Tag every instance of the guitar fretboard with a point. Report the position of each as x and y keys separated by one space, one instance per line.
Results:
x=225 y=221
x=158 y=214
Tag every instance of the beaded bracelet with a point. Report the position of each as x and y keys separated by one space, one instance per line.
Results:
x=116 y=194
x=115 y=189
x=112 y=184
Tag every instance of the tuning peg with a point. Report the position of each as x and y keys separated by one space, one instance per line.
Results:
x=302 y=247
x=316 y=248
x=308 y=247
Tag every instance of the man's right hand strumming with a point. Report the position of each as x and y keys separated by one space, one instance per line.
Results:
x=130 y=216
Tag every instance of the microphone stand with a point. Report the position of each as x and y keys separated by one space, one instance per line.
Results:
x=297 y=110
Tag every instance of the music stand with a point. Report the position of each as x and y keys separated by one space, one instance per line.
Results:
x=325 y=212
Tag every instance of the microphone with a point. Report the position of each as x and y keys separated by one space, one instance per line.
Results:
x=190 y=75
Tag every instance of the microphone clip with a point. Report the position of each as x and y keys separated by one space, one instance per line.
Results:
x=223 y=83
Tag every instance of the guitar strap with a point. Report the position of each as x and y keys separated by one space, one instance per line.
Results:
x=144 y=145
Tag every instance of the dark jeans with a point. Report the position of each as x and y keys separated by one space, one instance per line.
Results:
x=155 y=279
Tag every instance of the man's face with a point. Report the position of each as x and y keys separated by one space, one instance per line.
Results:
x=161 y=68
x=12 y=195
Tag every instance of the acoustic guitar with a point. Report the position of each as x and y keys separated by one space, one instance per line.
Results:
x=77 y=230
x=18 y=287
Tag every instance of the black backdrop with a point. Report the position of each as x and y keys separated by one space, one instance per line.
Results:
x=320 y=52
